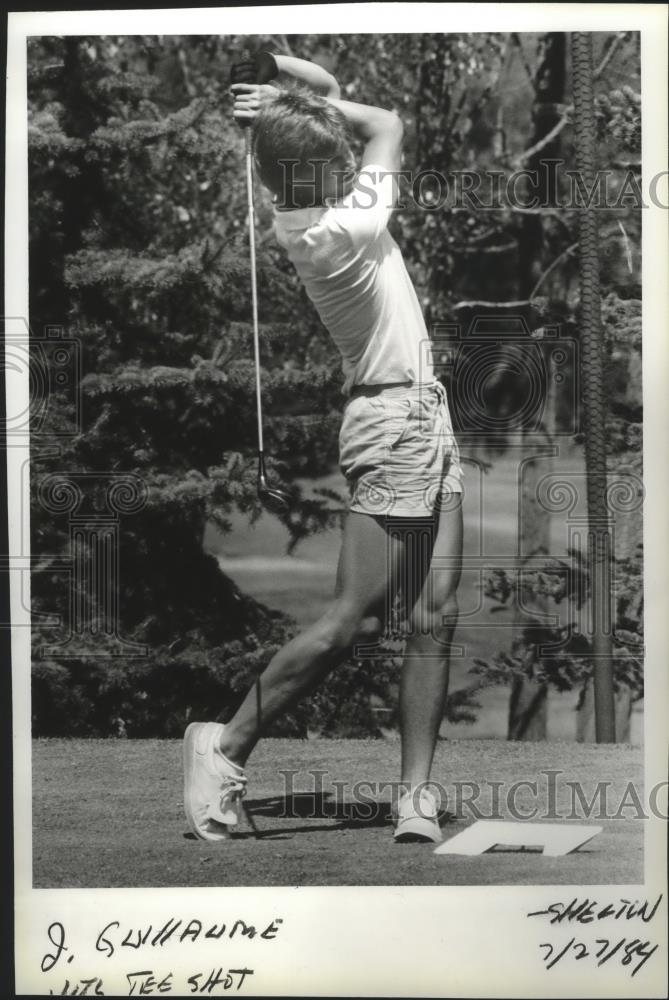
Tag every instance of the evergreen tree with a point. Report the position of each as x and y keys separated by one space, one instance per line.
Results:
x=139 y=249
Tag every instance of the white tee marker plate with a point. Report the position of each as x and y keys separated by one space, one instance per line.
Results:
x=484 y=835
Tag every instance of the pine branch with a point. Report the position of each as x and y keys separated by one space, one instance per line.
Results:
x=123 y=269
x=207 y=375
x=126 y=136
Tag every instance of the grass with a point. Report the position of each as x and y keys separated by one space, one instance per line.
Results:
x=108 y=813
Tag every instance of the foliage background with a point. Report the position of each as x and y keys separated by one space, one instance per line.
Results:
x=138 y=249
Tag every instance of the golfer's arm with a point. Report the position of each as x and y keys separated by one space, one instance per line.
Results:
x=314 y=76
x=381 y=131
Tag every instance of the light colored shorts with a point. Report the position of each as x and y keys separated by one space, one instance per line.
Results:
x=397 y=450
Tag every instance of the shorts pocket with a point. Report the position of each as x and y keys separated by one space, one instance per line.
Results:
x=397 y=417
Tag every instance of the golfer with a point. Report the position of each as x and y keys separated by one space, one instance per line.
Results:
x=397 y=449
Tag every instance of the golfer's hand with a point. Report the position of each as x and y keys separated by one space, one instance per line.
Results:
x=251 y=98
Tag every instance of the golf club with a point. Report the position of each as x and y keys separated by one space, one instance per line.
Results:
x=262 y=69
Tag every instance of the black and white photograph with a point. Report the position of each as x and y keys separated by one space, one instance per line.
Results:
x=336 y=368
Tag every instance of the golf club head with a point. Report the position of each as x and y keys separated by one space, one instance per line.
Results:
x=273 y=499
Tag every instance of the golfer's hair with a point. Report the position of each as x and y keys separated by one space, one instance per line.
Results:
x=299 y=126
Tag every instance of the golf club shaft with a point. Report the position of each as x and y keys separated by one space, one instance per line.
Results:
x=254 y=285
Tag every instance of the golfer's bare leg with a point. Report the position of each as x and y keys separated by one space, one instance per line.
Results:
x=425 y=669
x=365 y=577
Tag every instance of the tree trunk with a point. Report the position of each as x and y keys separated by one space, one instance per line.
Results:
x=527 y=718
x=585 y=717
x=528 y=704
x=549 y=89
x=528 y=700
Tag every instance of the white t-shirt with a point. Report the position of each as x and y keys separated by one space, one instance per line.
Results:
x=353 y=272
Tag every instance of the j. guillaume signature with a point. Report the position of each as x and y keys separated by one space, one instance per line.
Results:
x=114 y=935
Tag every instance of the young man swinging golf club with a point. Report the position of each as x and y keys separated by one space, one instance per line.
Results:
x=397 y=449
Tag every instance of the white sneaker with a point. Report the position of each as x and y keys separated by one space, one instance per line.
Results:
x=213 y=785
x=416 y=818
